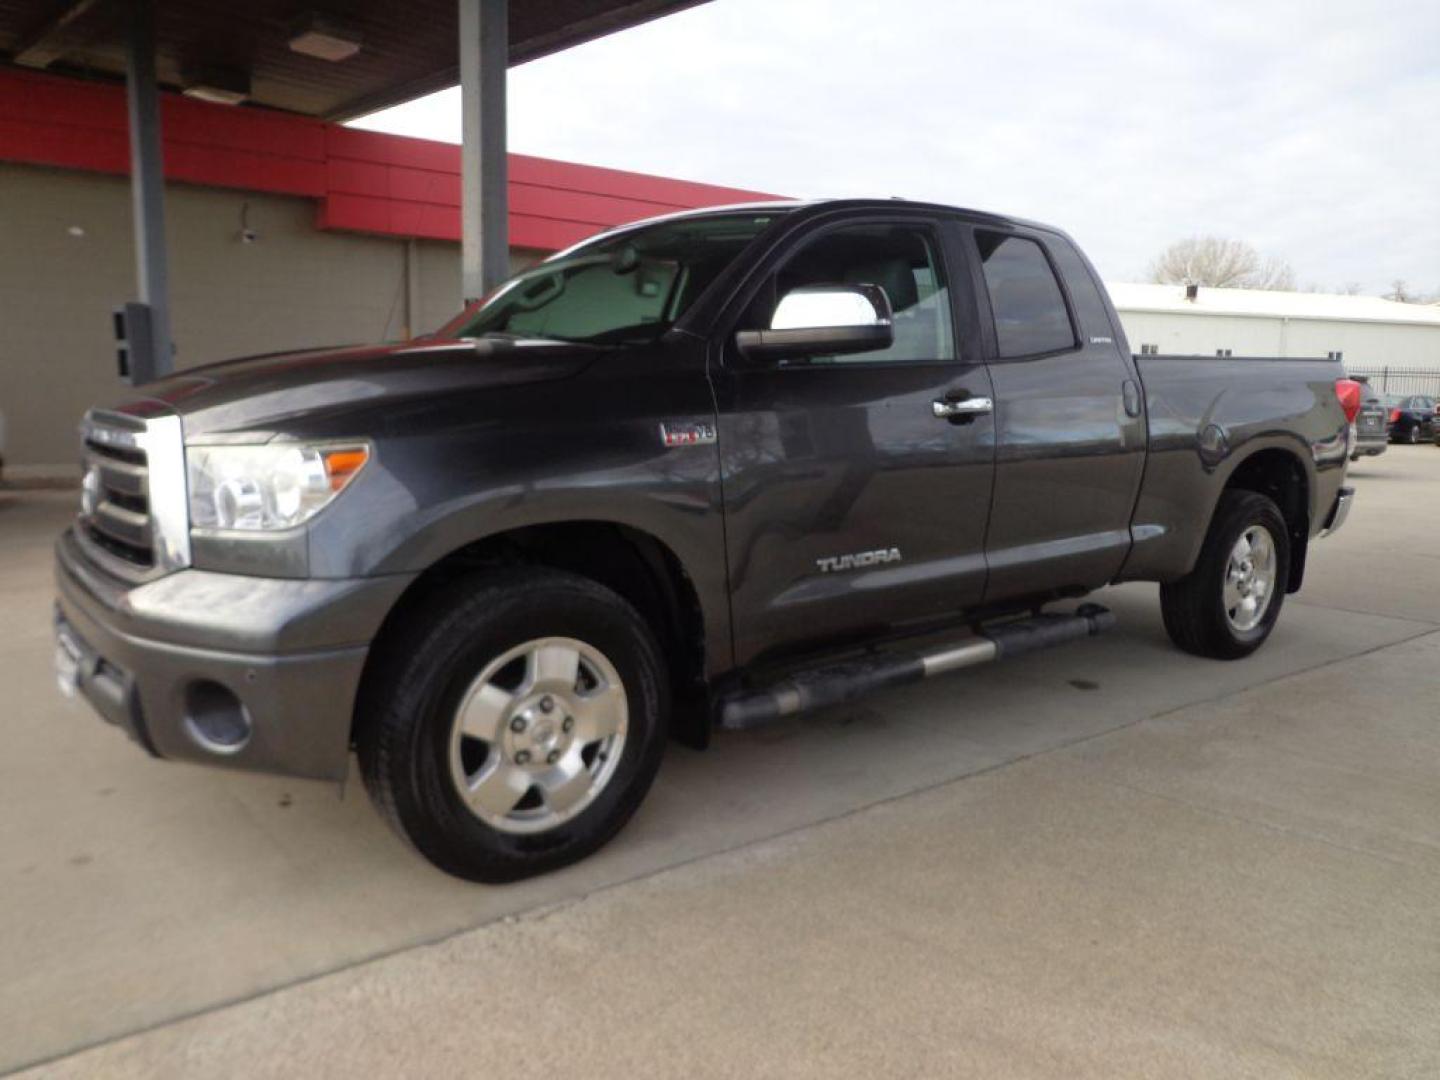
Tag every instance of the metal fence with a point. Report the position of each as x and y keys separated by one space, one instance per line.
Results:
x=1400 y=380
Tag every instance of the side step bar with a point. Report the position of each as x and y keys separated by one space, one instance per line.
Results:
x=835 y=683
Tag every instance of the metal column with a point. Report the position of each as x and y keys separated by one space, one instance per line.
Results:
x=147 y=191
x=412 y=288
x=484 y=57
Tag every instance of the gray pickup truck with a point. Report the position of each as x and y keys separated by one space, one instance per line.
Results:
x=702 y=471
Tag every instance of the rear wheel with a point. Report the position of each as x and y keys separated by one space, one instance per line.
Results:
x=1227 y=605
x=1413 y=435
x=515 y=726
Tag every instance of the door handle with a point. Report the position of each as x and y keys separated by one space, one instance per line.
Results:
x=962 y=409
x=1131 y=394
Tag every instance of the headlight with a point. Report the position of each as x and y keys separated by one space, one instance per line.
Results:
x=277 y=486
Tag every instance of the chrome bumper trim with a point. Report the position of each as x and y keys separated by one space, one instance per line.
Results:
x=1340 y=511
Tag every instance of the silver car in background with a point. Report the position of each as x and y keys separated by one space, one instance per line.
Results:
x=1371 y=427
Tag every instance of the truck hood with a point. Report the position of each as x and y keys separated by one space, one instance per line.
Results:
x=257 y=395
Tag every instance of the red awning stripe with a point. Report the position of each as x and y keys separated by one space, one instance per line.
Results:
x=365 y=181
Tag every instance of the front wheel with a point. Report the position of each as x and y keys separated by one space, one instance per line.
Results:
x=1227 y=605
x=513 y=723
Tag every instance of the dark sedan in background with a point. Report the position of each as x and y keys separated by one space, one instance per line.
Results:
x=1411 y=418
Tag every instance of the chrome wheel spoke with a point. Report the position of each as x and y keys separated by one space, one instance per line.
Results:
x=484 y=712
x=1231 y=596
x=564 y=786
x=553 y=664
x=498 y=788
x=598 y=715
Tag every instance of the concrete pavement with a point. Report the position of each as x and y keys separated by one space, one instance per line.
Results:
x=1108 y=859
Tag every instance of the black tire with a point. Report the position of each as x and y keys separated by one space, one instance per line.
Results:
x=1193 y=607
x=415 y=685
x=1413 y=435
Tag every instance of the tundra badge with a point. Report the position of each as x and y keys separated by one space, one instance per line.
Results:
x=831 y=563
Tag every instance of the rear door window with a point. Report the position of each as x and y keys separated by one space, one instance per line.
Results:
x=1028 y=305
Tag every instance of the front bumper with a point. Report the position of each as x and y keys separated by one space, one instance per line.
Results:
x=251 y=673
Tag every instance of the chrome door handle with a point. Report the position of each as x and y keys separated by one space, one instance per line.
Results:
x=964 y=409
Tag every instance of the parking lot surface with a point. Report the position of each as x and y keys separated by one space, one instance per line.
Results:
x=1109 y=859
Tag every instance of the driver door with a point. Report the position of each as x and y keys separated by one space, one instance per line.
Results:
x=852 y=509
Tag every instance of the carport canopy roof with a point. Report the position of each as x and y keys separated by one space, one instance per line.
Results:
x=406 y=48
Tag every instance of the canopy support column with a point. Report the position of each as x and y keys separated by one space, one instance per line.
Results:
x=484 y=57
x=151 y=354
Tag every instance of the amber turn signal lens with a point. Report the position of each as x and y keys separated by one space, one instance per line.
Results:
x=342 y=465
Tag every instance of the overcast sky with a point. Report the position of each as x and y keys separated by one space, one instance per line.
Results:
x=1309 y=129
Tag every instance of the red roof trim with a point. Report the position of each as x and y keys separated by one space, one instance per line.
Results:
x=365 y=181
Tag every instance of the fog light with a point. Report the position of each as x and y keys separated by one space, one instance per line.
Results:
x=215 y=718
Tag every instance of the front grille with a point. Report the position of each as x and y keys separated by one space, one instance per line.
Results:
x=116 y=501
x=134 y=521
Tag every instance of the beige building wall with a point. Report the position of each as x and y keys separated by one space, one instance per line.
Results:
x=68 y=261
x=1362 y=344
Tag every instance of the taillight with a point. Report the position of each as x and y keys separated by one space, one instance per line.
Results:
x=1348 y=391
x=1394 y=416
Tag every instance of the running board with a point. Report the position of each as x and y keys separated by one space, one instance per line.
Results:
x=835 y=683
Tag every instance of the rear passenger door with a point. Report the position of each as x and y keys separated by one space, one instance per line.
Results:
x=1069 y=423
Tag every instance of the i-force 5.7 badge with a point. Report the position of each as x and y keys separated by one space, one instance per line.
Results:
x=687 y=433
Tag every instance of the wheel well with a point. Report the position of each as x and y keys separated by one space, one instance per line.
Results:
x=632 y=563
x=1278 y=475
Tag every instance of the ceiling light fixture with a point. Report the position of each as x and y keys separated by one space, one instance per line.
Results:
x=217 y=85
x=324 y=38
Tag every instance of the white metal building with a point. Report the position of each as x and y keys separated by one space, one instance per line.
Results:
x=1397 y=344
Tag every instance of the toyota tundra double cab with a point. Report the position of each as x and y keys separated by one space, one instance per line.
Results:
x=698 y=472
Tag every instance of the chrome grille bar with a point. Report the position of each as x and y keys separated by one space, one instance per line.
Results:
x=134 y=501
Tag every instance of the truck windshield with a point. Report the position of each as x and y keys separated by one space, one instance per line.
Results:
x=624 y=288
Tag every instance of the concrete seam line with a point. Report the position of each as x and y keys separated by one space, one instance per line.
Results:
x=546 y=909
x=1367 y=614
x=1267 y=826
x=1301 y=671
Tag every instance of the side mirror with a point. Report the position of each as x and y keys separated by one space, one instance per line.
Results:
x=823 y=320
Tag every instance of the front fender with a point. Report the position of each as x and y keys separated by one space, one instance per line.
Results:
x=592 y=450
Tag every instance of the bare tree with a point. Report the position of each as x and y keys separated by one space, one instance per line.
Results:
x=1221 y=264
x=1401 y=292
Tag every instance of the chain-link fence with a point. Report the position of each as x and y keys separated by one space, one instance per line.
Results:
x=1400 y=380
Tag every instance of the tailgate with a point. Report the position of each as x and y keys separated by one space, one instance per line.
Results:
x=1371 y=420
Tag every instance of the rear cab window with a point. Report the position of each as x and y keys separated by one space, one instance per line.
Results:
x=1031 y=316
x=1090 y=308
